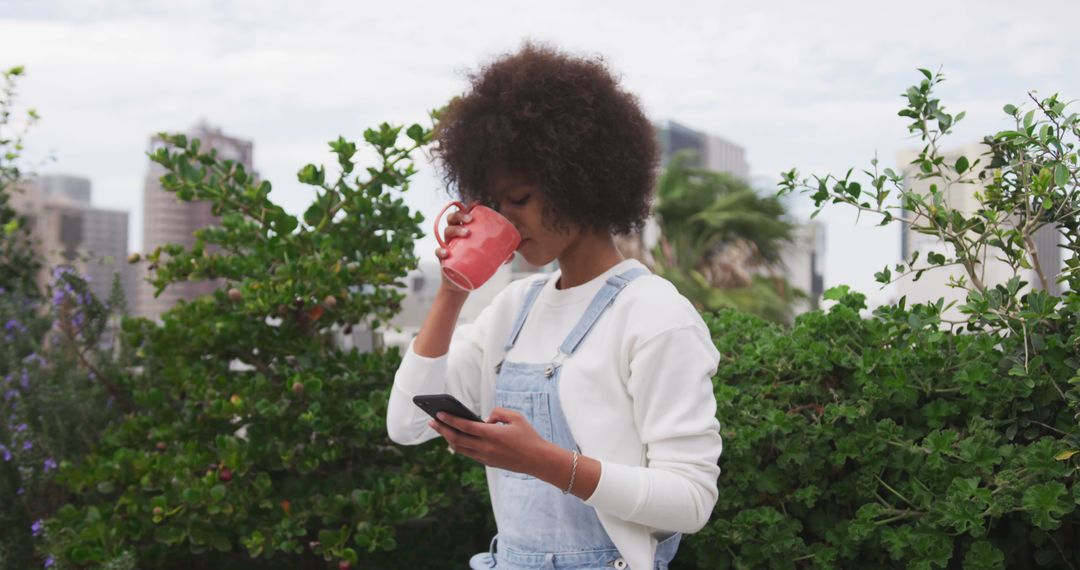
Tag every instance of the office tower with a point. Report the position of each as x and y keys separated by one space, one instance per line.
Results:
x=168 y=220
x=803 y=263
x=73 y=188
x=69 y=231
x=712 y=152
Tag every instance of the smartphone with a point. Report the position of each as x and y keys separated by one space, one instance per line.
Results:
x=435 y=403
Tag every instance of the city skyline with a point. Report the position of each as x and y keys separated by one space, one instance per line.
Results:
x=809 y=86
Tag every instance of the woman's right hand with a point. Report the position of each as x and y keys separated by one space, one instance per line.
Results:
x=455 y=228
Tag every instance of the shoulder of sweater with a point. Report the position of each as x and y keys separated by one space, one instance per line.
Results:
x=653 y=292
x=652 y=304
x=657 y=312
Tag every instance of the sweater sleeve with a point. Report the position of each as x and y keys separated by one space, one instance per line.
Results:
x=675 y=410
x=456 y=373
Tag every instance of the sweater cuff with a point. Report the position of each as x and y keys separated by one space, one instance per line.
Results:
x=620 y=492
x=420 y=374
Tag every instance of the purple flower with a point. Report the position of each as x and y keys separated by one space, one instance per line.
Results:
x=50 y=464
x=24 y=379
x=20 y=427
x=27 y=445
x=14 y=325
x=6 y=452
x=20 y=491
x=37 y=527
x=49 y=561
x=10 y=395
x=35 y=358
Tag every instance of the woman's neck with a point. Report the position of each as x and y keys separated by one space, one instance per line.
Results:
x=586 y=258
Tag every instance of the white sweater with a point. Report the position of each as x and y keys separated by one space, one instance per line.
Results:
x=637 y=396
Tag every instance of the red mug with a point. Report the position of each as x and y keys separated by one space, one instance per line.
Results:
x=474 y=258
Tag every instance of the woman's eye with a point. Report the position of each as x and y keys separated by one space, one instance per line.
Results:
x=521 y=201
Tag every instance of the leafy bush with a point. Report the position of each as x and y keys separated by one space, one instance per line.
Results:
x=905 y=440
x=248 y=437
x=886 y=442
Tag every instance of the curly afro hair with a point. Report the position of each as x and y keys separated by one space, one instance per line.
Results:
x=564 y=124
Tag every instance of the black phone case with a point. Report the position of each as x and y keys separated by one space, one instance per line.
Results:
x=435 y=403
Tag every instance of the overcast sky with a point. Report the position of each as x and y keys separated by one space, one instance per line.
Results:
x=812 y=85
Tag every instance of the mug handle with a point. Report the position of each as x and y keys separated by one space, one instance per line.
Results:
x=438 y=234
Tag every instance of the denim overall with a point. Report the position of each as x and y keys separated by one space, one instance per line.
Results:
x=539 y=526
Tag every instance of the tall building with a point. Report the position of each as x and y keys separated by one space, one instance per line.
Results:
x=712 y=152
x=169 y=220
x=74 y=188
x=70 y=231
x=934 y=284
x=803 y=266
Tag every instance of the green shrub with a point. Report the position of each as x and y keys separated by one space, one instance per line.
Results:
x=905 y=440
x=248 y=437
x=886 y=442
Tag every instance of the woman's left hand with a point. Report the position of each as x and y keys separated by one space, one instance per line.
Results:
x=507 y=441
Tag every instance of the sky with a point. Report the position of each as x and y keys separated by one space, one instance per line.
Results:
x=807 y=85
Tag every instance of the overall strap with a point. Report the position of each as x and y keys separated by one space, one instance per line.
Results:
x=519 y=322
x=603 y=299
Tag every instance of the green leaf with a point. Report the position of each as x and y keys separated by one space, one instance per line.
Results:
x=836 y=293
x=416 y=133
x=314 y=214
x=983 y=556
x=217 y=492
x=12 y=226
x=285 y=223
x=961 y=165
x=309 y=174
x=926 y=72
x=1042 y=502
x=1061 y=175
x=1010 y=110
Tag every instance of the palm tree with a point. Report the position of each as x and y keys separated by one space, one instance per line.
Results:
x=720 y=242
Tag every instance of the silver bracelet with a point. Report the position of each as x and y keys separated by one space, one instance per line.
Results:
x=573 y=473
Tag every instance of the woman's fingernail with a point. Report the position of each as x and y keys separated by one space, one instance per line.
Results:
x=464 y=232
x=468 y=217
x=440 y=251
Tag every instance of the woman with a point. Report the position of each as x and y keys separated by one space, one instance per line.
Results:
x=601 y=441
